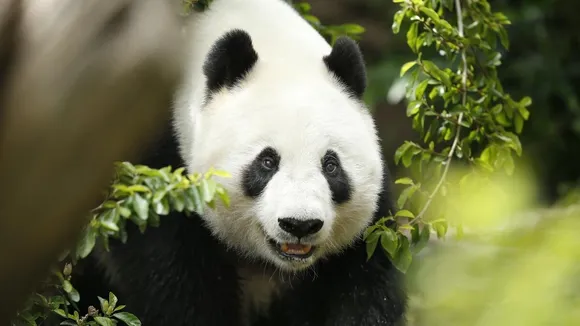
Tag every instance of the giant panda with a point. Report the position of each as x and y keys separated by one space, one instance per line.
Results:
x=267 y=99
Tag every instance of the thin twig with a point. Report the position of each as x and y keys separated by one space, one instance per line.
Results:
x=458 y=131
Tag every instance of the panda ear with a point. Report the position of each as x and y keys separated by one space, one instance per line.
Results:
x=346 y=62
x=231 y=57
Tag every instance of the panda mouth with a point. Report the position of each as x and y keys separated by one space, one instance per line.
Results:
x=292 y=250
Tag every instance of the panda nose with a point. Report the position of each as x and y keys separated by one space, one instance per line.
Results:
x=300 y=228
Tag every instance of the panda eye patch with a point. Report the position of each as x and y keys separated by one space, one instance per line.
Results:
x=337 y=178
x=258 y=173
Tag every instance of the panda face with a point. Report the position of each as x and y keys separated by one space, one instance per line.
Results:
x=304 y=158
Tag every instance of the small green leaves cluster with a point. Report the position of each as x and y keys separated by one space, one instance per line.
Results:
x=330 y=32
x=140 y=195
x=458 y=107
x=51 y=297
x=110 y=314
x=59 y=300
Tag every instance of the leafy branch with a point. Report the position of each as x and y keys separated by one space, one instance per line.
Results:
x=140 y=195
x=459 y=110
x=464 y=70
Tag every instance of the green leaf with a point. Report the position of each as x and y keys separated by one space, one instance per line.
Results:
x=194 y=194
x=413 y=108
x=408 y=156
x=403 y=258
x=440 y=227
x=104 y=321
x=437 y=73
x=514 y=142
x=87 y=243
x=404 y=181
x=141 y=206
x=423 y=240
x=119 y=308
x=223 y=196
x=420 y=90
x=526 y=101
x=138 y=188
x=124 y=211
x=353 y=28
x=128 y=318
x=389 y=241
x=221 y=173
x=401 y=151
x=371 y=243
x=112 y=302
x=398 y=19
x=518 y=123
x=60 y=312
x=67 y=286
x=104 y=304
x=503 y=36
x=412 y=35
x=370 y=230
x=177 y=200
x=74 y=295
x=405 y=213
x=208 y=188
x=407 y=66
x=430 y=13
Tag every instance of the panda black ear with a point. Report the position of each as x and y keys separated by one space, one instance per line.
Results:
x=231 y=57
x=347 y=63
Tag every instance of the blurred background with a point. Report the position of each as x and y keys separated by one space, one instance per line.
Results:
x=541 y=63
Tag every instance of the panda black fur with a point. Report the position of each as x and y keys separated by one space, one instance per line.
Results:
x=268 y=100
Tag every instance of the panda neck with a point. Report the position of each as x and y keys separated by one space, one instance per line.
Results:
x=260 y=285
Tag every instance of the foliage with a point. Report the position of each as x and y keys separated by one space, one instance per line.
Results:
x=527 y=274
x=460 y=111
x=40 y=307
x=330 y=32
x=140 y=195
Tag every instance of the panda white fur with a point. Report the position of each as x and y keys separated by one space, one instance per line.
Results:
x=267 y=99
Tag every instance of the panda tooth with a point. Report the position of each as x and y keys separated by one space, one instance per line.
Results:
x=284 y=247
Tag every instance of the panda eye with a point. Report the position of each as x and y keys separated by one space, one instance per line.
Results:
x=330 y=167
x=268 y=163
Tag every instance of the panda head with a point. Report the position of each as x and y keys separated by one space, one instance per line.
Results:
x=299 y=144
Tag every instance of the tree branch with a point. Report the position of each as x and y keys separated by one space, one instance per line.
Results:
x=459 y=120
